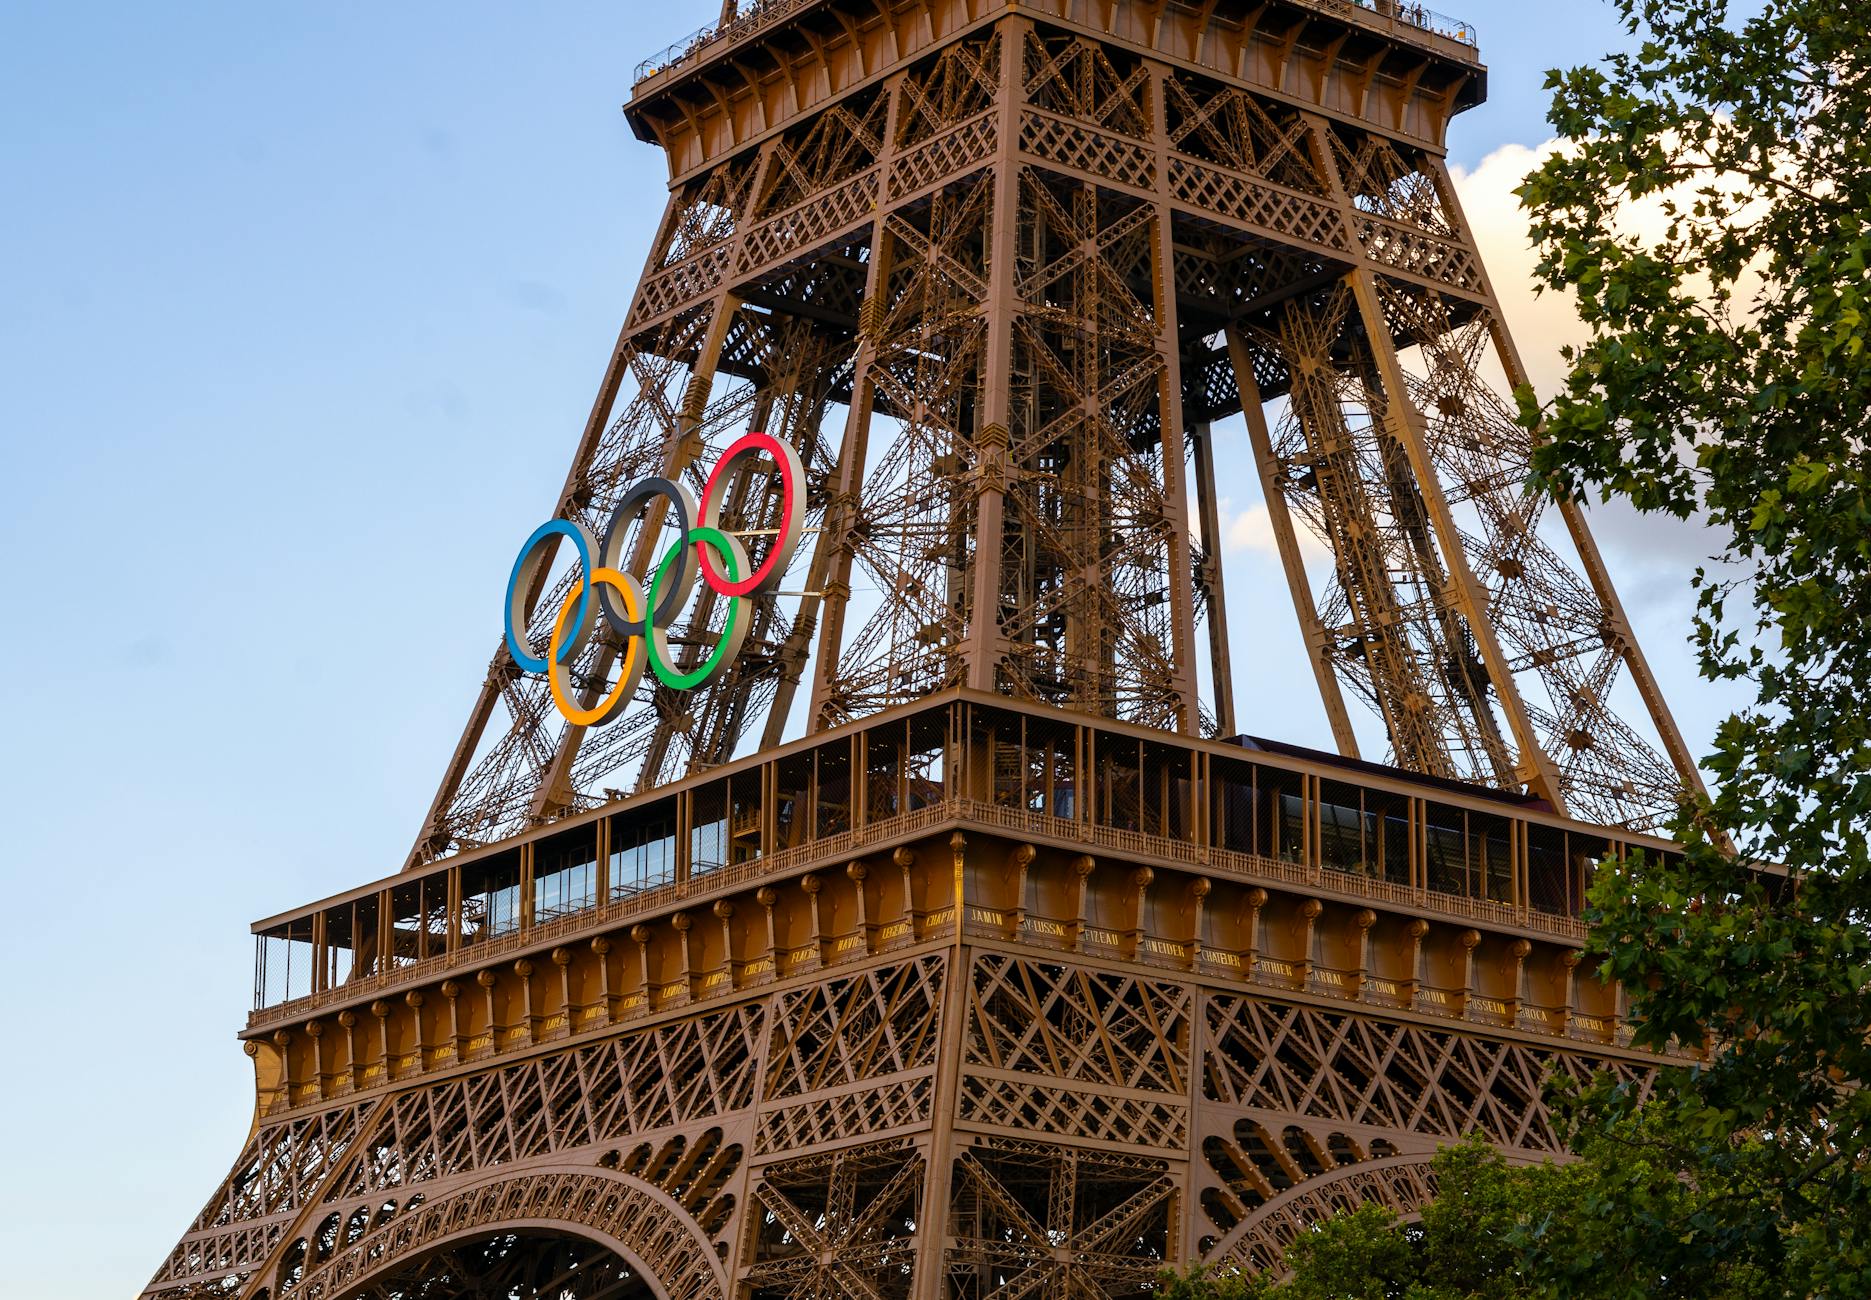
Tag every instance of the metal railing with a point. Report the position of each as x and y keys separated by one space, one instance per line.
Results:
x=753 y=15
x=1402 y=15
x=757 y=14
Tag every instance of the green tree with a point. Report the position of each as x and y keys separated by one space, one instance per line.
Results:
x=1500 y=1232
x=1726 y=378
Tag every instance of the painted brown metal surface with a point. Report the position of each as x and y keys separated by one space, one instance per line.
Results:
x=1011 y=973
x=966 y=996
x=994 y=270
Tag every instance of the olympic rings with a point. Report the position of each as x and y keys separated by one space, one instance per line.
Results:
x=637 y=623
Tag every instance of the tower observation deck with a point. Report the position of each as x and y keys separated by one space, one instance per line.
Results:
x=952 y=938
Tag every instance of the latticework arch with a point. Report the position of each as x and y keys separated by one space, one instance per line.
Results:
x=632 y=1219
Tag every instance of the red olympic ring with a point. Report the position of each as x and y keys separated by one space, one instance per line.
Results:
x=792 y=518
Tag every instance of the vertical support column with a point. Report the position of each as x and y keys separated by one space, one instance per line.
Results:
x=601 y=870
x=1318 y=644
x=981 y=654
x=1221 y=667
x=528 y=853
x=321 y=955
x=1175 y=451
x=454 y=909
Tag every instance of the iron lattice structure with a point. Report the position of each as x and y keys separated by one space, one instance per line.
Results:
x=996 y=275
x=944 y=945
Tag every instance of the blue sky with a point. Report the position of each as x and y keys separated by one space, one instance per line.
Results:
x=305 y=306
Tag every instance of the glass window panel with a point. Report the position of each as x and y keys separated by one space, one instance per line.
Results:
x=1232 y=799
x=883 y=773
x=286 y=960
x=1006 y=748
x=1445 y=849
x=1062 y=764
x=1388 y=820
x=565 y=878
x=643 y=849
x=1120 y=779
x=834 y=790
x=1166 y=781
x=744 y=817
x=1344 y=830
x=490 y=898
x=708 y=829
x=793 y=804
x=1292 y=826
x=1549 y=872
x=347 y=930
x=925 y=776
x=1491 y=855
x=1036 y=782
x=409 y=925
x=363 y=937
x=1280 y=832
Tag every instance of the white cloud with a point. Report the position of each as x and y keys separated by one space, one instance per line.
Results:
x=1666 y=547
x=1250 y=531
x=1541 y=324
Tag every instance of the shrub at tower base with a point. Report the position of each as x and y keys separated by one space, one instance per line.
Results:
x=1725 y=378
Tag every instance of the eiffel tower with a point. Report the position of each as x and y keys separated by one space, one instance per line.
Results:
x=951 y=939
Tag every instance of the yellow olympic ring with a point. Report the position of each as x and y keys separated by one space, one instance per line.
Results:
x=557 y=674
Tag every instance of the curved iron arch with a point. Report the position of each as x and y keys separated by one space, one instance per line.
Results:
x=1405 y=1183
x=633 y=1219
